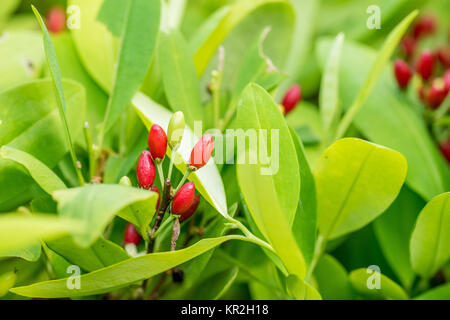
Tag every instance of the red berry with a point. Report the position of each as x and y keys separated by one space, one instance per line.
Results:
x=131 y=235
x=425 y=64
x=445 y=149
x=292 y=98
x=443 y=55
x=155 y=189
x=56 y=19
x=187 y=214
x=146 y=170
x=408 y=46
x=183 y=199
x=436 y=93
x=157 y=142
x=201 y=153
x=447 y=80
x=424 y=26
x=402 y=73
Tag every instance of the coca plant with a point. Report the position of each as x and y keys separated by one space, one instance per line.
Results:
x=237 y=164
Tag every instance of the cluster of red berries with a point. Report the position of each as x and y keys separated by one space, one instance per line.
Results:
x=433 y=67
x=291 y=99
x=184 y=202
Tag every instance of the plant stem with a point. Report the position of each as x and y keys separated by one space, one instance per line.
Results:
x=89 y=145
x=160 y=173
x=186 y=175
x=162 y=210
x=163 y=225
x=319 y=248
x=172 y=156
x=175 y=234
x=237 y=224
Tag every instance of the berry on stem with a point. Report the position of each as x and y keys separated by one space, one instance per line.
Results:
x=157 y=142
x=176 y=129
x=408 y=46
x=183 y=199
x=201 y=153
x=155 y=189
x=402 y=73
x=425 y=64
x=56 y=19
x=131 y=235
x=146 y=170
x=443 y=55
x=436 y=93
x=189 y=212
x=426 y=25
x=446 y=78
x=292 y=97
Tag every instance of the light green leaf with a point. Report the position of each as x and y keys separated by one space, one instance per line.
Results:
x=356 y=181
x=362 y=281
x=207 y=180
x=393 y=230
x=301 y=290
x=122 y=274
x=34 y=128
x=95 y=206
x=21 y=57
x=329 y=88
x=139 y=33
x=178 y=73
x=263 y=185
x=304 y=227
x=332 y=279
x=377 y=68
x=18 y=231
x=430 y=240
x=45 y=177
x=31 y=252
x=100 y=254
x=441 y=292
x=386 y=110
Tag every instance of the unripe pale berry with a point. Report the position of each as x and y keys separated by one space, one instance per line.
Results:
x=146 y=170
x=56 y=20
x=292 y=97
x=125 y=181
x=157 y=142
x=183 y=199
x=189 y=212
x=131 y=235
x=176 y=129
x=424 y=26
x=201 y=153
x=402 y=73
x=155 y=189
x=425 y=65
x=445 y=149
x=436 y=93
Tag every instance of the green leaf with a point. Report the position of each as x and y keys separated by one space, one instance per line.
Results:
x=45 y=177
x=19 y=232
x=214 y=286
x=362 y=280
x=207 y=180
x=263 y=185
x=238 y=12
x=123 y=273
x=301 y=290
x=21 y=57
x=430 y=240
x=356 y=181
x=332 y=279
x=304 y=227
x=178 y=73
x=386 y=110
x=139 y=33
x=34 y=128
x=393 y=230
x=329 y=88
x=95 y=206
x=438 y=293
x=100 y=254
x=52 y=62
x=31 y=252
x=377 y=68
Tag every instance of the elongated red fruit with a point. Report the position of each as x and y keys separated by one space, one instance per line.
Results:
x=157 y=142
x=436 y=93
x=447 y=80
x=183 y=199
x=56 y=20
x=408 y=46
x=155 y=189
x=131 y=235
x=189 y=212
x=426 y=25
x=402 y=73
x=292 y=97
x=146 y=170
x=445 y=149
x=202 y=151
x=425 y=65
x=443 y=55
